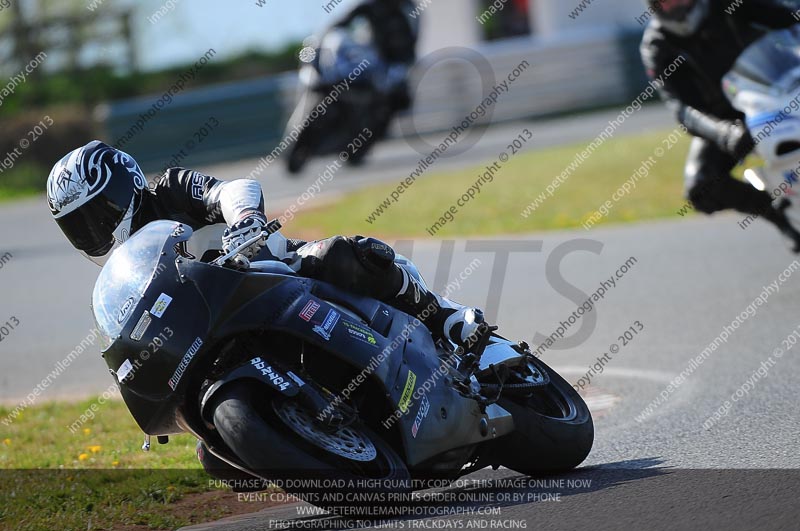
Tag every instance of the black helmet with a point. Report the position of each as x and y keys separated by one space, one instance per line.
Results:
x=680 y=17
x=93 y=194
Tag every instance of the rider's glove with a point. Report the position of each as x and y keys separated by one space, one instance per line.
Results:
x=250 y=225
x=736 y=140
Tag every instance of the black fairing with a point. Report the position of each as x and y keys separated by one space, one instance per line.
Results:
x=212 y=303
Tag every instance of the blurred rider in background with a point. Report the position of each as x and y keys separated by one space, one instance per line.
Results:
x=709 y=35
x=395 y=32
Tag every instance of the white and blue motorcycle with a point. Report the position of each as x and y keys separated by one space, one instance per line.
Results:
x=764 y=84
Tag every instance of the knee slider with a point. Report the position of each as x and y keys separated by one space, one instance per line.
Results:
x=360 y=266
x=374 y=253
x=341 y=265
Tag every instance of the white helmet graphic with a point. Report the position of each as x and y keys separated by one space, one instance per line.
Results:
x=94 y=193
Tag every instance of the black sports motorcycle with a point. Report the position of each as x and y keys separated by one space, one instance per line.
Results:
x=285 y=377
x=347 y=95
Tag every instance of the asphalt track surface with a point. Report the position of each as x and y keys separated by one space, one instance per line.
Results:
x=656 y=498
x=691 y=278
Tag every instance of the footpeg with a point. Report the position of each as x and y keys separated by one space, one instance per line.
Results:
x=472 y=357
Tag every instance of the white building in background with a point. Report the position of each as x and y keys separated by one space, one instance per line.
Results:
x=583 y=54
x=552 y=17
x=455 y=22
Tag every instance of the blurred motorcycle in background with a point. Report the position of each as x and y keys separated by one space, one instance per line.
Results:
x=764 y=84
x=347 y=95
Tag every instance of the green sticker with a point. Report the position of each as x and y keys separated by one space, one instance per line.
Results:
x=405 y=398
x=360 y=333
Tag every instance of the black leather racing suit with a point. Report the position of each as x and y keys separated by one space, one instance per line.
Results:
x=360 y=265
x=694 y=91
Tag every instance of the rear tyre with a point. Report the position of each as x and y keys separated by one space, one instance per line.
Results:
x=349 y=471
x=553 y=427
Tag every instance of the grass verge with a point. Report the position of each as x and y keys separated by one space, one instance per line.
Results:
x=497 y=208
x=98 y=477
x=23 y=180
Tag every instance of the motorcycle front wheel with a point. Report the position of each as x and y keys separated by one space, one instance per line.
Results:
x=349 y=470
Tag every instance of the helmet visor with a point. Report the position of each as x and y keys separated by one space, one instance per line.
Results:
x=102 y=259
x=91 y=227
x=677 y=10
x=682 y=17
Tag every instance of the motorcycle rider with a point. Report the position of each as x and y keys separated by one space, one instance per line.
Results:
x=395 y=32
x=710 y=35
x=99 y=196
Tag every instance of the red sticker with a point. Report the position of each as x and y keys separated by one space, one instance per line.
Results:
x=309 y=310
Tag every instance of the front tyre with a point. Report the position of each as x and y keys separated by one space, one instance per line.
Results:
x=553 y=427
x=280 y=440
x=298 y=156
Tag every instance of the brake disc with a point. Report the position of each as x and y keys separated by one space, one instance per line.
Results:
x=345 y=442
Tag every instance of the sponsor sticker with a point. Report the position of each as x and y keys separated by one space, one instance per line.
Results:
x=124 y=370
x=125 y=309
x=276 y=380
x=299 y=381
x=309 y=310
x=424 y=407
x=360 y=333
x=185 y=361
x=142 y=326
x=161 y=305
x=325 y=328
x=408 y=390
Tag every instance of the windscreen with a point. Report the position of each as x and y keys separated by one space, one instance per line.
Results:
x=125 y=277
x=770 y=60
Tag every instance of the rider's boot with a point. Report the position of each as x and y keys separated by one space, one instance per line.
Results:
x=777 y=215
x=446 y=319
